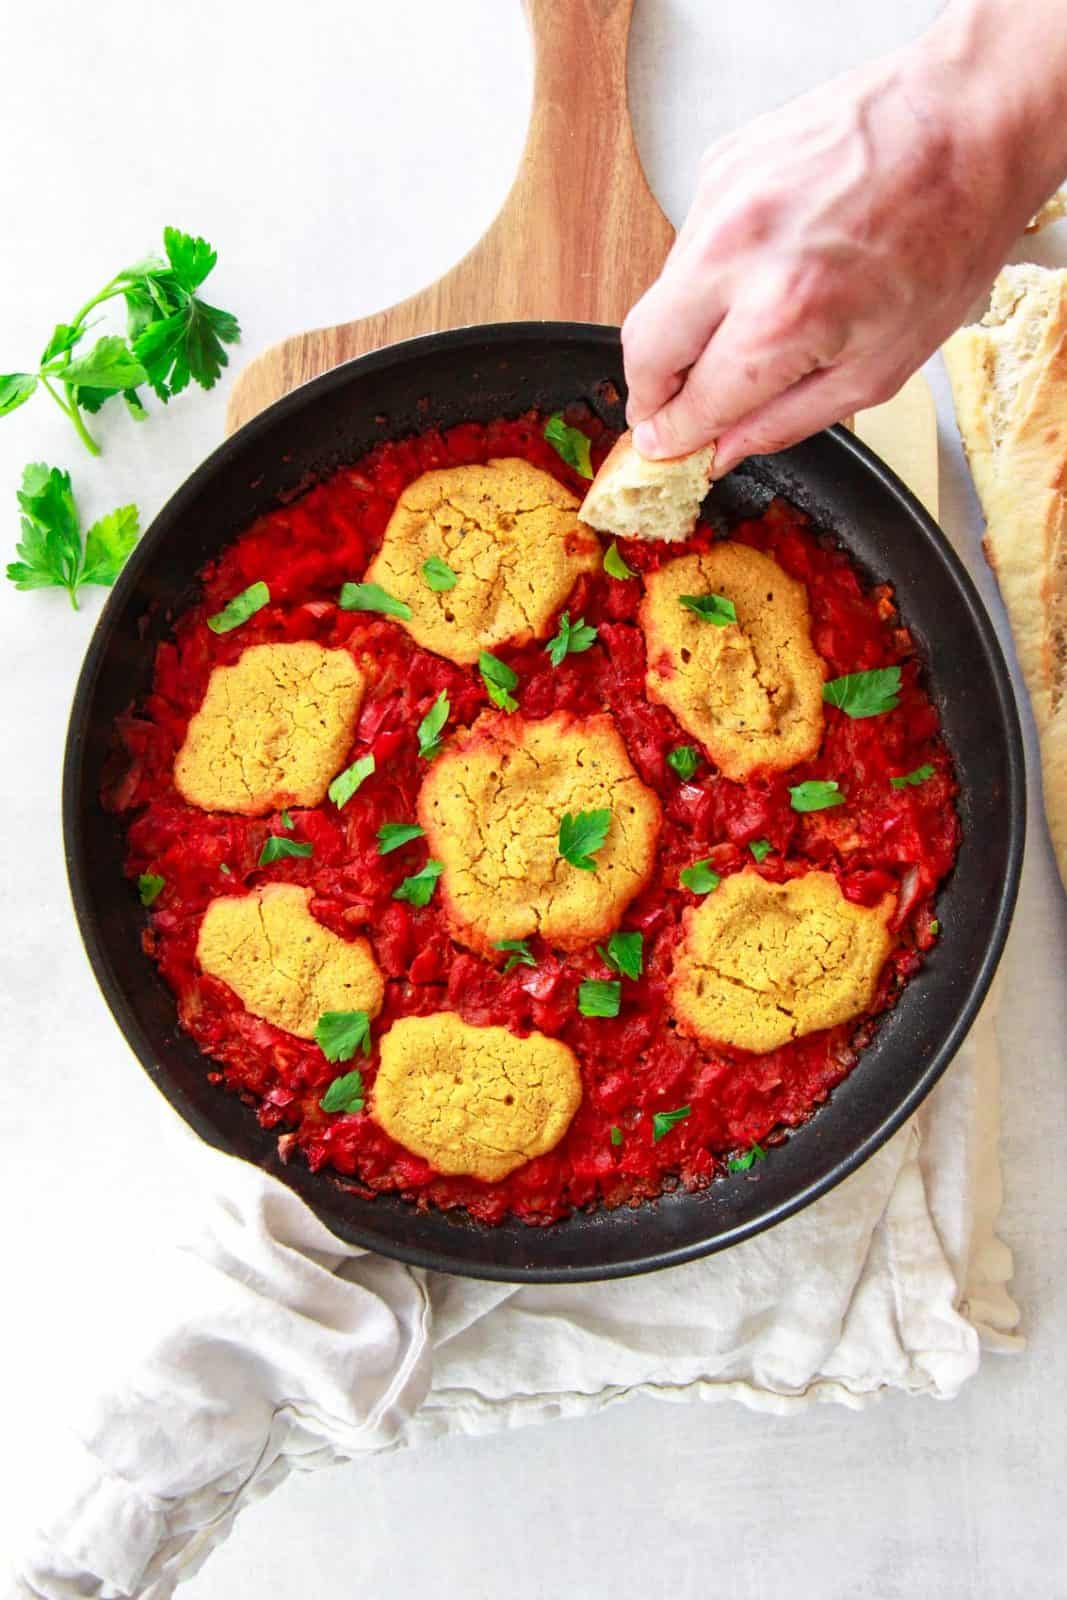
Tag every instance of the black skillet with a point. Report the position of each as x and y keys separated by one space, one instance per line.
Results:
x=478 y=374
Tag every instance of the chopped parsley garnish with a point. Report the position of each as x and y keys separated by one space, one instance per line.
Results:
x=439 y=575
x=570 y=639
x=599 y=997
x=684 y=760
x=614 y=565
x=916 y=776
x=431 y=725
x=699 y=877
x=499 y=680
x=240 y=608
x=521 y=954
x=225 y=870
x=711 y=607
x=418 y=889
x=347 y=782
x=276 y=849
x=755 y=1152
x=571 y=444
x=935 y=926
x=664 y=1121
x=391 y=835
x=339 y=1034
x=345 y=1093
x=149 y=886
x=286 y=819
x=624 y=953
x=616 y=1135
x=580 y=835
x=864 y=694
x=761 y=848
x=371 y=597
x=815 y=795
x=52 y=553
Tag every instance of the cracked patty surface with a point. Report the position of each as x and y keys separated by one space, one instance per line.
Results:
x=750 y=691
x=511 y=534
x=492 y=805
x=272 y=730
x=474 y=1101
x=762 y=963
x=284 y=965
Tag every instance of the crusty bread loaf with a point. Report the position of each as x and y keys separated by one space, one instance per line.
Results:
x=1053 y=210
x=640 y=499
x=1009 y=383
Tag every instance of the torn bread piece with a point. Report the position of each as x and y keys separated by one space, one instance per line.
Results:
x=1009 y=385
x=639 y=499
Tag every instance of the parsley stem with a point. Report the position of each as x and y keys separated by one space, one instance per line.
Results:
x=71 y=410
x=108 y=292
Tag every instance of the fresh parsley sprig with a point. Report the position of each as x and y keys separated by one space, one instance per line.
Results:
x=664 y=1121
x=520 y=953
x=172 y=337
x=624 y=953
x=339 y=1034
x=581 y=834
x=570 y=444
x=864 y=694
x=499 y=680
x=345 y=1093
x=912 y=779
x=816 y=794
x=571 y=638
x=710 y=607
x=418 y=889
x=52 y=551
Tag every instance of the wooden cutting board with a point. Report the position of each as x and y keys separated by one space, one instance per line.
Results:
x=579 y=238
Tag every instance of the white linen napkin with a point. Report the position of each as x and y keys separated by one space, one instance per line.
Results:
x=265 y=1344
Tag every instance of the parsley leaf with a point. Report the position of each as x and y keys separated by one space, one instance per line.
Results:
x=570 y=444
x=391 y=835
x=172 y=336
x=499 y=680
x=149 y=885
x=275 y=848
x=431 y=725
x=864 y=694
x=711 y=607
x=347 y=782
x=372 y=597
x=616 y=1135
x=664 y=1121
x=521 y=954
x=700 y=877
x=614 y=565
x=570 y=639
x=761 y=848
x=581 y=834
x=599 y=997
x=339 y=1034
x=240 y=608
x=684 y=760
x=815 y=795
x=916 y=776
x=439 y=575
x=51 y=552
x=345 y=1093
x=755 y=1152
x=418 y=889
x=624 y=953
x=286 y=819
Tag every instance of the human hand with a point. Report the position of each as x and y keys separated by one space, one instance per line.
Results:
x=833 y=244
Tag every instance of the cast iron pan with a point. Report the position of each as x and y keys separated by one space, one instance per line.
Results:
x=477 y=374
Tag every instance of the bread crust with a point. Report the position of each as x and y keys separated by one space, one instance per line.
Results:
x=1009 y=385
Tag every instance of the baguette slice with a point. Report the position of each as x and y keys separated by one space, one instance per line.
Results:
x=1009 y=384
x=640 y=499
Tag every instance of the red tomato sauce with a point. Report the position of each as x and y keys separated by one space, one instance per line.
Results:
x=634 y=1065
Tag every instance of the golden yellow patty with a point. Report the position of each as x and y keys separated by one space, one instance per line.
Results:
x=477 y=1101
x=282 y=964
x=492 y=805
x=762 y=963
x=511 y=534
x=750 y=691
x=272 y=730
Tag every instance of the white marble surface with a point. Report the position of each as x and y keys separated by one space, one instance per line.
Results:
x=340 y=155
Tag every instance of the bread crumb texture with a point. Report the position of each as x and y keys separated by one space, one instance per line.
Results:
x=492 y=806
x=282 y=964
x=473 y=1101
x=511 y=534
x=750 y=690
x=762 y=963
x=272 y=730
